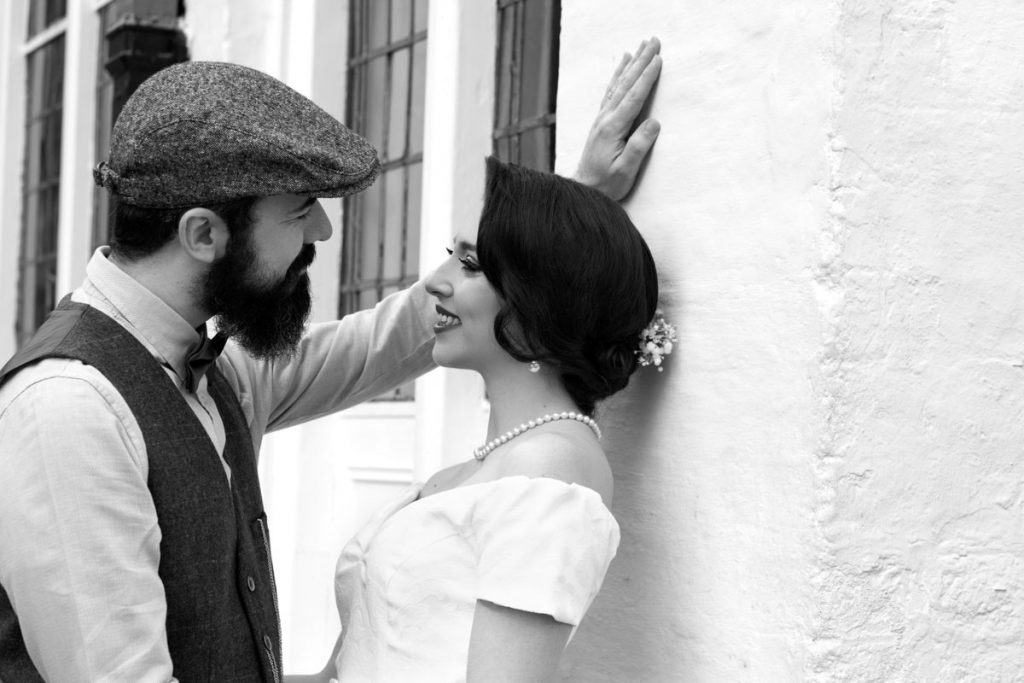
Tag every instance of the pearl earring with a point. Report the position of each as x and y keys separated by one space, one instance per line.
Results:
x=534 y=366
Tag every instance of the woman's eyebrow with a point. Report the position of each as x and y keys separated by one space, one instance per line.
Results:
x=464 y=245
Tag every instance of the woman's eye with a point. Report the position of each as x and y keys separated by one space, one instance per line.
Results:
x=469 y=265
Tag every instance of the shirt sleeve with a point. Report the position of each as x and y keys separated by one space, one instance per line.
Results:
x=79 y=539
x=338 y=364
x=543 y=546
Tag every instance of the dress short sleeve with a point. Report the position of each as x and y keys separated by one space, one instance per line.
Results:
x=543 y=546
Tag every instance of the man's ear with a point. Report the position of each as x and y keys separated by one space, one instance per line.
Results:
x=203 y=234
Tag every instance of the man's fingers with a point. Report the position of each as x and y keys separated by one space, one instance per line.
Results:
x=632 y=101
x=637 y=146
x=609 y=92
x=641 y=62
x=612 y=154
x=623 y=63
x=628 y=76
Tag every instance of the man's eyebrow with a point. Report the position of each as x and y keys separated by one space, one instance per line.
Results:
x=305 y=205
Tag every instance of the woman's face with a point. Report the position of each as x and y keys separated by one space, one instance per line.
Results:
x=466 y=306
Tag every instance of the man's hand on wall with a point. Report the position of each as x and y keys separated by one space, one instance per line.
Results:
x=616 y=146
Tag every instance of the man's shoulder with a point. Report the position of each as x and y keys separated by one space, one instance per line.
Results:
x=58 y=380
x=60 y=400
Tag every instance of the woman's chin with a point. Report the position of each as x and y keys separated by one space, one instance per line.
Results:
x=443 y=359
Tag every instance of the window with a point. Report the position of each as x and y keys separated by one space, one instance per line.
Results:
x=130 y=51
x=37 y=267
x=45 y=13
x=386 y=85
x=526 y=82
x=386 y=88
x=104 y=125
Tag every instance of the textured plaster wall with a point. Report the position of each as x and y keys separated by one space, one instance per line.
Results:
x=826 y=484
x=918 y=471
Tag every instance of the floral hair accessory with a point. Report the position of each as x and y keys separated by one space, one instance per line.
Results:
x=656 y=341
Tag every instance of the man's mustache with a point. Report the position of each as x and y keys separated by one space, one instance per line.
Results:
x=304 y=259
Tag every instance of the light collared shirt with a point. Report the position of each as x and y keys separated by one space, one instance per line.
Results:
x=79 y=538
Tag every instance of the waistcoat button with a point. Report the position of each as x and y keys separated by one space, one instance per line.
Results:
x=251 y=583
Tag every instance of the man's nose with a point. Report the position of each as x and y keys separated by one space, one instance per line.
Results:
x=320 y=228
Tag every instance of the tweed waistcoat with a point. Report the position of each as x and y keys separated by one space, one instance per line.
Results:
x=215 y=565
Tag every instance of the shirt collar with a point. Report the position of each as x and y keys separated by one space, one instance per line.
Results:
x=158 y=326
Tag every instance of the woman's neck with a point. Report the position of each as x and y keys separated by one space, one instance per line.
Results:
x=520 y=396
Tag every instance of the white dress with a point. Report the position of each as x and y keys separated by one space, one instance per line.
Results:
x=408 y=582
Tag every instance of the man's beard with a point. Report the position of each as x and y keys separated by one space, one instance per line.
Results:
x=267 y=320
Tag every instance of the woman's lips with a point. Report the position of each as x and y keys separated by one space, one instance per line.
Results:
x=446 y=320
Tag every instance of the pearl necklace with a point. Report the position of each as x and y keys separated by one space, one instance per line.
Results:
x=481 y=452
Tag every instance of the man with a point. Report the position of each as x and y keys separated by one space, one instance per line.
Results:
x=133 y=541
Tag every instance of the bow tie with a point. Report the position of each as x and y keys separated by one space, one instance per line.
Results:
x=201 y=356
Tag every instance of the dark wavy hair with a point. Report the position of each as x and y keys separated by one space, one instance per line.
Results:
x=138 y=232
x=576 y=279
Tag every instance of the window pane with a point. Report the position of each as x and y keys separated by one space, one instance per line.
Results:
x=419 y=87
x=420 y=15
x=535 y=150
x=394 y=222
x=412 y=220
x=367 y=298
x=505 y=67
x=368 y=238
x=527 y=68
x=42 y=13
x=372 y=118
x=503 y=149
x=380 y=248
x=399 y=105
x=537 y=59
x=377 y=23
x=401 y=19
x=41 y=186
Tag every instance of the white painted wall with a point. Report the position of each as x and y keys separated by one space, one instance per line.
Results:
x=918 y=476
x=825 y=484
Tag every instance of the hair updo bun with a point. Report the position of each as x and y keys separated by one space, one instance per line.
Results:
x=577 y=281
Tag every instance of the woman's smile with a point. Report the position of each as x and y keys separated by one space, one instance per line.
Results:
x=446 y=320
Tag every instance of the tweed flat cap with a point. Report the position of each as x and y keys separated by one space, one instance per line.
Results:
x=206 y=132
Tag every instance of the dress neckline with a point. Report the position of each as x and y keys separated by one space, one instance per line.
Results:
x=418 y=487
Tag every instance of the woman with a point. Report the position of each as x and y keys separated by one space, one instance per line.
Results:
x=483 y=573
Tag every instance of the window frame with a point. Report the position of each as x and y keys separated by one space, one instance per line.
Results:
x=42 y=161
x=355 y=282
x=374 y=262
x=512 y=125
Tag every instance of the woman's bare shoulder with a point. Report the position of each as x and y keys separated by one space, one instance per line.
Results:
x=557 y=455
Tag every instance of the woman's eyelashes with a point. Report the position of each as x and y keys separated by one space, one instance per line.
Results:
x=468 y=264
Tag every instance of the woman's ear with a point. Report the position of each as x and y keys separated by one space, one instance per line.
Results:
x=203 y=234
